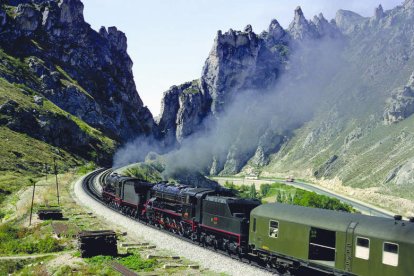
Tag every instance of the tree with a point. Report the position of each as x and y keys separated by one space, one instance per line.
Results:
x=252 y=192
x=264 y=189
x=279 y=197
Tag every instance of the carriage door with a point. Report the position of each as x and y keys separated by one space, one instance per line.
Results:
x=349 y=243
x=322 y=245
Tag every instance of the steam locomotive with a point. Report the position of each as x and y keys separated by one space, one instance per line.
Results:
x=214 y=218
x=285 y=237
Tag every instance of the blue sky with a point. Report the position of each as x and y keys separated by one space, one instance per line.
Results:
x=169 y=41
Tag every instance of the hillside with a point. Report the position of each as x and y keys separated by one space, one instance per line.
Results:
x=66 y=91
x=362 y=133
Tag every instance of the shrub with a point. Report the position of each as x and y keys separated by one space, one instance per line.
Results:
x=135 y=262
x=88 y=167
x=20 y=241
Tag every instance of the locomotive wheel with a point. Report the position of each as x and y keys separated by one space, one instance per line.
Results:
x=203 y=240
x=215 y=244
x=239 y=253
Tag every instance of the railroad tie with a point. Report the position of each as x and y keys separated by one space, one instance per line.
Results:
x=122 y=269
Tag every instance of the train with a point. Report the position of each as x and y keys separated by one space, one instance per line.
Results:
x=286 y=238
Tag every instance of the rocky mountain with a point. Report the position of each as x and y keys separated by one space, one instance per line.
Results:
x=360 y=131
x=238 y=61
x=66 y=84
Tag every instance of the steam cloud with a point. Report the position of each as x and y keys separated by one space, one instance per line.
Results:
x=288 y=104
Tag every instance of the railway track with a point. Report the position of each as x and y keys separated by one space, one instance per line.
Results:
x=89 y=186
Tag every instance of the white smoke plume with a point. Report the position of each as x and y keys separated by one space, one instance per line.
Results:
x=284 y=107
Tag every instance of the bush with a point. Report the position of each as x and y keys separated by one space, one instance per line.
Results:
x=20 y=241
x=88 y=167
x=135 y=262
x=291 y=195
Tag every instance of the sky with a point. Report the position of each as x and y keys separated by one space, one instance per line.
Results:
x=169 y=41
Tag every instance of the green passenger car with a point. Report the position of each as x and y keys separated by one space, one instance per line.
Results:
x=341 y=243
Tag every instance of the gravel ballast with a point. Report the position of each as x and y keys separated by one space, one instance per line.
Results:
x=205 y=258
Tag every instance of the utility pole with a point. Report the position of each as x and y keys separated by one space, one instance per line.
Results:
x=31 y=208
x=46 y=170
x=57 y=183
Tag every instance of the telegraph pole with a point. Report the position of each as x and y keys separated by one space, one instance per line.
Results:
x=31 y=208
x=57 y=183
x=46 y=170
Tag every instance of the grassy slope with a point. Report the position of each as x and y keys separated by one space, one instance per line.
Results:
x=366 y=160
x=22 y=157
x=354 y=103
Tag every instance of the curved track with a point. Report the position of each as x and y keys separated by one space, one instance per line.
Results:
x=89 y=186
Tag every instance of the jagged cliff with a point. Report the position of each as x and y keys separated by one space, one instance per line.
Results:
x=64 y=84
x=360 y=130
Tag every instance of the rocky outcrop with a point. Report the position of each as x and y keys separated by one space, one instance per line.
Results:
x=379 y=13
x=326 y=169
x=85 y=73
x=348 y=21
x=238 y=61
x=230 y=65
x=275 y=33
x=269 y=143
x=401 y=103
x=301 y=28
x=325 y=28
x=404 y=174
x=183 y=108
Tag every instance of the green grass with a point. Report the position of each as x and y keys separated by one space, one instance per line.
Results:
x=22 y=267
x=17 y=67
x=23 y=157
x=68 y=81
x=88 y=167
x=10 y=10
x=23 y=95
x=35 y=43
x=191 y=90
x=134 y=262
x=14 y=240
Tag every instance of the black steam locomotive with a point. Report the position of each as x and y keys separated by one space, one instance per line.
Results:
x=212 y=217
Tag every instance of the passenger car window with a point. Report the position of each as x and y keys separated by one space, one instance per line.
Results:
x=273 y=229
x=362 y=248
x=390 y=254
x=254 y=224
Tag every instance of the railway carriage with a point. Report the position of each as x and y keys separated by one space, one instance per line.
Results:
x=286 y=237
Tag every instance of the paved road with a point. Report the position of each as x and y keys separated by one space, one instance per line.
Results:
x=363 y=207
